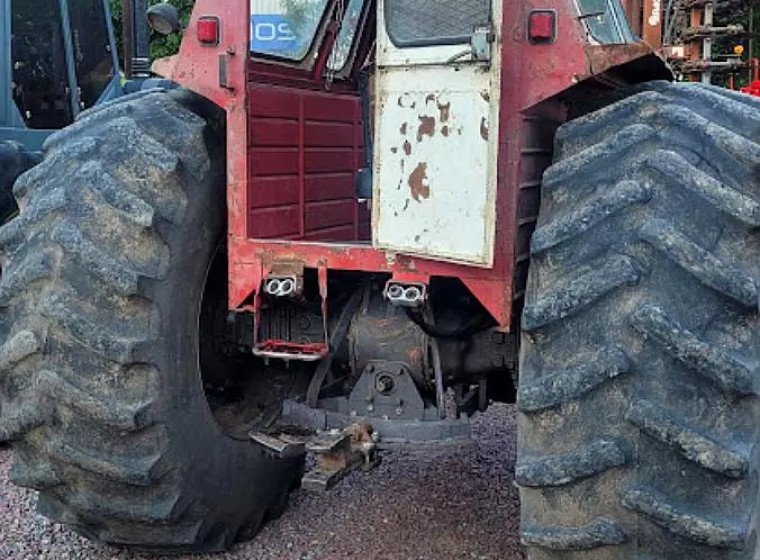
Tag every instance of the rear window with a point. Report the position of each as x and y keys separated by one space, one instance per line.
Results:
x=434 y=22
x=285 y=28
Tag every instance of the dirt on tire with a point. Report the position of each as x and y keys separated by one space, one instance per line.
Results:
x=638 y=393
x=101 y=392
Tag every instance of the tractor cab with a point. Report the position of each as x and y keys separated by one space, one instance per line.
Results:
x=59 y=59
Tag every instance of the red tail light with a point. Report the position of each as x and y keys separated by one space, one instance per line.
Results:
x=542 y=27
x=208 y=30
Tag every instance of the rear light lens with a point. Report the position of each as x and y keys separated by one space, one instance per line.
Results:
x=542 y=27
x=208 y=30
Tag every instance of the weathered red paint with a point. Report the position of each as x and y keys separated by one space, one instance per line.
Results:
x=532 y=74
x=304 y=149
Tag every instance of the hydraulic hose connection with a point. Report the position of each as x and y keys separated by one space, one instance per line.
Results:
x=405 y=295
x=281 y=286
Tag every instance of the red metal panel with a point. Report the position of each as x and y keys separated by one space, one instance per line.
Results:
x=329 y=160
x=275 y=191
x=329 y=134
x=322 y=215
x=325 y=235
x=314 y=159
x=276 y=221
x=274 y=132
x=269 y=162
x=330 y=108
x=330 y=186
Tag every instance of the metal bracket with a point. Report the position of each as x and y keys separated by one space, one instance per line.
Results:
x=386 y=390
x=279 y=448
x=337 y=453
x=481 y=42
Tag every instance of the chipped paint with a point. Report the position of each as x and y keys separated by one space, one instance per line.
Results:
x=407 y=147
x=445 y=111
x=426 y=128
x=418 y=185
x=484 y=129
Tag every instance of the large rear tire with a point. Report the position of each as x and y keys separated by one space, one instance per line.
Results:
x=100 y=385
x=639 y=415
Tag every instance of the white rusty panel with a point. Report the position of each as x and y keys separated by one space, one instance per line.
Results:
x=435 y=160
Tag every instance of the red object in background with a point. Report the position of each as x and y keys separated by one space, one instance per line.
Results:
x=754 y=87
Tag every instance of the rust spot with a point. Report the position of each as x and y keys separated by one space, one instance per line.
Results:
x=404 y=128
x=484 y=129
x=445 y=111
x=416 y=354
x=418 y=183
x=408 y=148
x=394 y=150
x=486 y=96
x=426 y=128
x=430 y=98
x=445 y=131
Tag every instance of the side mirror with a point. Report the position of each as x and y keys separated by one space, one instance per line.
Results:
x=163 y=18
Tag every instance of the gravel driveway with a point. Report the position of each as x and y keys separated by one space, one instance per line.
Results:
x=439 y=504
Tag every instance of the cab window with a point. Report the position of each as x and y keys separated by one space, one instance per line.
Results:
x=40 y=81
x=285 y=28
x=347 y=37
x=434 y=22
x=92 y=49
x=605 y=21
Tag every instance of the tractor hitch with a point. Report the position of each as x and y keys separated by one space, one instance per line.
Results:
x=336 y=452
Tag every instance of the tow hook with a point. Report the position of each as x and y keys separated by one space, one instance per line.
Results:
x=336 y=452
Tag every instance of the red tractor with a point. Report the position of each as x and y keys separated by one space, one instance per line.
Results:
x=387 y=215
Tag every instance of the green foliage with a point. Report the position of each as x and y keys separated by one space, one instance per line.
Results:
x=160 y=46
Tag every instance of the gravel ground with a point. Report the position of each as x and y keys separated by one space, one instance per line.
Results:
x=436 y=504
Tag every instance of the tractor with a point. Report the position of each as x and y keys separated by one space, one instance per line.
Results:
x=357 y=223
x=59 y=59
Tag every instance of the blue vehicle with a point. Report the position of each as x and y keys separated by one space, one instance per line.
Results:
x=57 y=58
